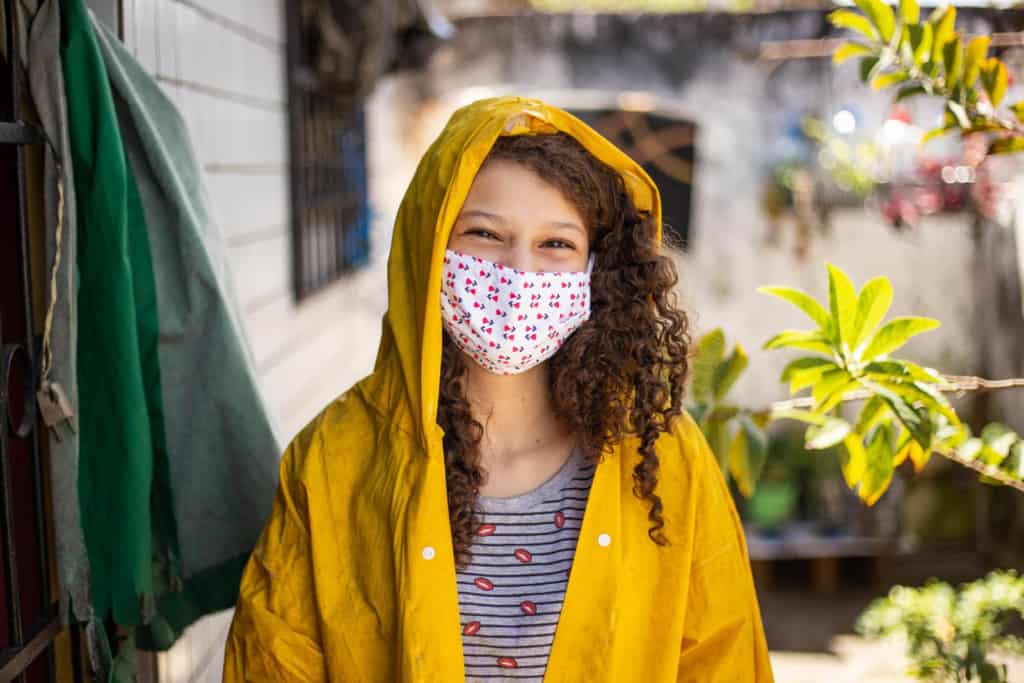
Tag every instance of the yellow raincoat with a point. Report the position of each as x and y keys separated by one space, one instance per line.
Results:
x=353 y=578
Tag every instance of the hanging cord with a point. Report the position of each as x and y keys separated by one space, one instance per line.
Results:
x=47 y=354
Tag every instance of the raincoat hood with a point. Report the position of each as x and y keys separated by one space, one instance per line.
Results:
x=353 y=578
x=411 y=337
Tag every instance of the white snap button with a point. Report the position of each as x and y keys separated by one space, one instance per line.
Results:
x=604 y=540
x=428 y=553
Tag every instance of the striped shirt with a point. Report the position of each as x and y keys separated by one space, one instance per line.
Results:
x=510 y=595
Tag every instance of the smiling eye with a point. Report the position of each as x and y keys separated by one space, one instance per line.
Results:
x=486 y=234
x=560 y=244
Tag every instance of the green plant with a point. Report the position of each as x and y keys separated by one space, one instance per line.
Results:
x=904 y=414
x=951 y=633
x=931 y=58
x=736 y=437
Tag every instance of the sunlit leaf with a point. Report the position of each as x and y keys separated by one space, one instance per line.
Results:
x=868 y=67
x=879 y=470
x=842 y=301
x=800 y=415
x=889 y=79
x=920 y=36
x=848 y=50
x=853 y=459
x=953 y=62
x=1006 y=145
x=959 y=113
x=998 y=438
x=995 y=80
x=708 y=355
x=828 y=383
x=873 y=303
x=747 y=459
x=800 y=339
x=895 y=333
x=728 y=372
x=943 y=21
x=803 y=372
x=827 y=434
x=977 y=49
x=911 y=449
x=917 y=421
x=908 y=91
x=881 y=16
x=844 y=18
x=936 y=132
x=1018 y=110
x=910 y=12
x=873 y=410
x=805 y=302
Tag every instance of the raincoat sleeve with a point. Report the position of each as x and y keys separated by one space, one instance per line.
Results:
x=723 y=637
x=275 y=634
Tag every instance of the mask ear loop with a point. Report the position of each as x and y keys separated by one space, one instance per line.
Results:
x=590 y=264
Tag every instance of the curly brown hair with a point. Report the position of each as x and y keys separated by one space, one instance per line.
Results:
x=623 y=371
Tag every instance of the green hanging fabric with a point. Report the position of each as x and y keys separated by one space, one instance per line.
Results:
x=120 y=409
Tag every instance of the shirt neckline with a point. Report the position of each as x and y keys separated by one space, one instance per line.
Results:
x=538 y=494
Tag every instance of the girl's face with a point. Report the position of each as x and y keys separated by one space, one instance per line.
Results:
x=513 y=217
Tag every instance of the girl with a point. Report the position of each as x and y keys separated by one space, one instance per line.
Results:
x=515 y=492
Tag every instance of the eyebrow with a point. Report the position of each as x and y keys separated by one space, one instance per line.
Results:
x=495 y=217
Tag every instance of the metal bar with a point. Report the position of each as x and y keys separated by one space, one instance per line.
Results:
x=19 y=133
x=11 y=555
x=14 y=661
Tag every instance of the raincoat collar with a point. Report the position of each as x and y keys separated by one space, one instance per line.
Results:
x=408 y=365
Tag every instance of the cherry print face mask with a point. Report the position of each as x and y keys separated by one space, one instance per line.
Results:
x=509 y=320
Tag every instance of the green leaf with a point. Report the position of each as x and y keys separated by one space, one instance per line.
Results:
x=914 y=392
x=797 y=414
x=888 y=79
x=880 y=466
x=942 y=20
x=977 y=49
x=1018 y=110
x=853 y=459
x=748 y=455
x=707 y=357
x=827 y=434
x=831 y=399
x=842 y=301
x=971 y=448
x=849 y=50
x=896 y=333
x=995 y=80
x=953 y=62
x=909 y=91
x=829 y=382
x=917 y=421
x=803 y=372
x=873 y=411
x=936 y=132
x=959 y=113
x=805 y=302
x=717 y=434
x=920 y=36
x=910 y=12
x=844 y=18
x=727 y=373
x=868 y=67
x=873 y=303
x=1006 y=145
x=1014 y=464
x=909 y=448
x=998 y=438
x=800 y=339
x=881 y=16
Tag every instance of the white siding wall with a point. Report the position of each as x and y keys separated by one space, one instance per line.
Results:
x=223 y=63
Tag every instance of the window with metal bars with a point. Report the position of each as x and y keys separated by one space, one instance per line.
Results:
x=663 y=144
x=330 y=219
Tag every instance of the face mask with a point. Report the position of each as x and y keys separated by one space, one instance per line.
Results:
x=509 y=320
